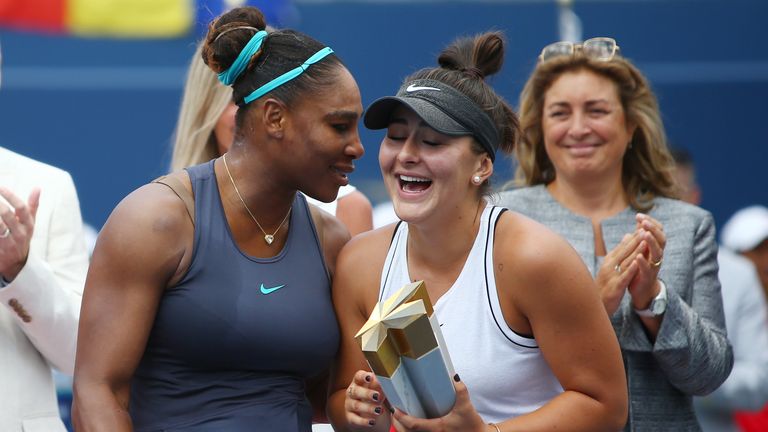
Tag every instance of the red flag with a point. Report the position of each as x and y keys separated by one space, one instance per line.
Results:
x=40 y=15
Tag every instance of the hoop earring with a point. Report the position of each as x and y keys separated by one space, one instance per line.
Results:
x=476 y=180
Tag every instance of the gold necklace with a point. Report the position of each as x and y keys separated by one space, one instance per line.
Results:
x=269 y=238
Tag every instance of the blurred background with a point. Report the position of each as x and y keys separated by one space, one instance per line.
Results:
x=94 y=86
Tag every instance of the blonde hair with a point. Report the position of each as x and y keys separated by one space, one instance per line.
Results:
x=202 y=104
x=648 y=165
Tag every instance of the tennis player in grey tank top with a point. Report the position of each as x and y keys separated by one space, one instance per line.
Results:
x=234 y=341
x=208 y=305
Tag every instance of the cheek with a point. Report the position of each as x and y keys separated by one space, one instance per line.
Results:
x=387 y=156
x=552 y=132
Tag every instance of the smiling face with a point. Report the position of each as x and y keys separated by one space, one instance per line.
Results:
x=426 y=172
x=584 y=127
x=322 y=139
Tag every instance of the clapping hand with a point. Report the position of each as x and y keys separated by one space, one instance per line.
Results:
x=17 y=223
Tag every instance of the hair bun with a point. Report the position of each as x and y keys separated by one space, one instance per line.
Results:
x=477 y=56
x=473 y=72
x=228 y=34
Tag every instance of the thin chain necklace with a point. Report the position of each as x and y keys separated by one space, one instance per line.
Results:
x=269 y=238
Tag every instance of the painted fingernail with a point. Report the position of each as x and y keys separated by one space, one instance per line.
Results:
x=368 y=378
x=391 y=410
x=372 y=422
x=375 y=397
x=456 y=378
x=377 y=410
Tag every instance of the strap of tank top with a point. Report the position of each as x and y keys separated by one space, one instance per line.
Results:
x=181 y=191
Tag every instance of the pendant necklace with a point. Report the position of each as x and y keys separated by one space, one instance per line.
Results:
x=269 y=238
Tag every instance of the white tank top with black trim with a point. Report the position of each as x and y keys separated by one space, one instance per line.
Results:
x=505 y=372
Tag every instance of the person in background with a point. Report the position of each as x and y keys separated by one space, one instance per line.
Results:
x=205 y=131
x=208 y=304
x=522 y=319
x=43 y=262
x=685 y=176
x=744 y=306
x=595 y=167
x=746 y=234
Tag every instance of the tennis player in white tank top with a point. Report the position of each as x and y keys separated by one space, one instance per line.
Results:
x=523 y=322
x=488 y=342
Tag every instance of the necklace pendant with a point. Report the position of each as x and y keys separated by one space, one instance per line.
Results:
x=269 y=238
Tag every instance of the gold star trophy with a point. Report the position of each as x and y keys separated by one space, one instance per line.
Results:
x=404 y=347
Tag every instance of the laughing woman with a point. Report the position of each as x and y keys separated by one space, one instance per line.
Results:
x=501 y=284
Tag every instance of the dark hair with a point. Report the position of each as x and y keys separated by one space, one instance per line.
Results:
x=464 y=64
x=281 y=51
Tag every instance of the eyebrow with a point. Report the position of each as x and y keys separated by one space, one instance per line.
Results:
x=343 y=114
x=566 y=104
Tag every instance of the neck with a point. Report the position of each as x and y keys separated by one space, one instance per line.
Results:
x=268 y=200
x=440 y=246
x=595 y=199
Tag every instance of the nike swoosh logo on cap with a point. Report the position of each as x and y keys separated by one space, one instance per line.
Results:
x=412 y=88
x=264 y=290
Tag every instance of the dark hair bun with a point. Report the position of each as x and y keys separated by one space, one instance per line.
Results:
x=225 y=39
x=478 y=56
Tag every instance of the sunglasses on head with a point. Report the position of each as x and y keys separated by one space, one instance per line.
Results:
x=599 y=48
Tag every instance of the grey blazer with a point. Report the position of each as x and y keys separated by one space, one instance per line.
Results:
x=691 y=355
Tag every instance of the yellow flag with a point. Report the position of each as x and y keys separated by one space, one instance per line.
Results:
x=130 y=18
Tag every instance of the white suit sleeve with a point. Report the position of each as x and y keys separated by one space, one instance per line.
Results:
x=45 y=296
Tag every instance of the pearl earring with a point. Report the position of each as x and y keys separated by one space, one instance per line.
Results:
x=476 y=179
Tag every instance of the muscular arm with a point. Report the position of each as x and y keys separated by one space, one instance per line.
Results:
x=541 y=278
x=140 y=252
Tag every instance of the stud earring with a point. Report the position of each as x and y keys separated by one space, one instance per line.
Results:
x=476 y=179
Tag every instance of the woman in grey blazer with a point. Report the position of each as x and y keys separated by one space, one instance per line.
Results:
x=594 y=158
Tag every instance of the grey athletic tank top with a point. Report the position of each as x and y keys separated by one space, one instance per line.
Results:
x=233 y=342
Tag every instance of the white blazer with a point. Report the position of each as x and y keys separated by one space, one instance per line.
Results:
x=39 y=309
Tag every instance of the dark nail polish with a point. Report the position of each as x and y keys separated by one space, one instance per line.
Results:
x=456 y=378
x=367 y=378
x=377 y=410
x=375 y=397
x=371 y=422
x=391 y=410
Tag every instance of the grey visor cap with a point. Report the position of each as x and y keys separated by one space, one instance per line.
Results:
x=442 y=107
x=380 y=112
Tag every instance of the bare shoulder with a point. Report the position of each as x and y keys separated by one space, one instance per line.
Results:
x=149 y=229
x=153 y=208
x=360 y=265
x=355 y=201
x=533 y=255
x=368 y=249
x=356 y=212
x=522 y=239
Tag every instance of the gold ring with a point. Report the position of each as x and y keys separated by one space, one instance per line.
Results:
x=5 y=233
x=617 y=268
x=658 y=263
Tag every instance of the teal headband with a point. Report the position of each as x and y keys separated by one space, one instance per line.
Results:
x=284 y=78
x=241 y=62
